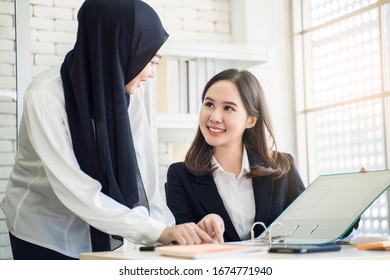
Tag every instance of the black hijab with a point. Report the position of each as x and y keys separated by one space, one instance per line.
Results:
x=115 y=41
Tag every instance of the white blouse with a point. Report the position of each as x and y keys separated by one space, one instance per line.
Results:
x=50 y=202
x=237 y=196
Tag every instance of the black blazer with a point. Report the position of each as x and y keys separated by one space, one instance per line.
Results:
x=190 y=198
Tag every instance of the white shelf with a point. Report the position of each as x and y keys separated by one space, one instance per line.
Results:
x=177 y=121
x=234 y=53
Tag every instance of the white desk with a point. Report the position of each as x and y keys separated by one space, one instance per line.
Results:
x=347 y=252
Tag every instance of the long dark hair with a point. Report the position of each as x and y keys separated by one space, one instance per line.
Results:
x=258 y=140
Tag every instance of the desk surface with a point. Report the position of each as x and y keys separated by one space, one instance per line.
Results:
x=347 y=252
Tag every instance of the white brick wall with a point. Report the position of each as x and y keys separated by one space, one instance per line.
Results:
x=187 y=20
x=7 y=8
x=6 y=19
x=7 y=110
x=7 y=151
x=42 y=23
x=53 y=32
x=52 y=12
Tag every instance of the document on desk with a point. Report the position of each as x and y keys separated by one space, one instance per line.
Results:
x=330 y=206
x=210 y=251
x=384 y=245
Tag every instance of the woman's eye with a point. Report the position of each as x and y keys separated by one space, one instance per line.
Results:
x=228 y=108
x=208 y=104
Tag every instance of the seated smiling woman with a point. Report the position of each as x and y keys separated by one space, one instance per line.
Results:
x=232 y=167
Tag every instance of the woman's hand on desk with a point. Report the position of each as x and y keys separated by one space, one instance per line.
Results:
x=185 y=234
x=214 y=226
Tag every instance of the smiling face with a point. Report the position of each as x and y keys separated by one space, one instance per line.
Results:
x=223 y=117
x=147 y=72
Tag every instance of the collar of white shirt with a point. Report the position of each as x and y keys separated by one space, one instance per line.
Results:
x=245 y=167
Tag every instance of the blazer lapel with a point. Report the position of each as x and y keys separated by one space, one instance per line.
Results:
x=263 y=191
x=206 y=190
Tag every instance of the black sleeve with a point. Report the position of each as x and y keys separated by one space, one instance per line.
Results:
x=295 y=185
x=177 y=198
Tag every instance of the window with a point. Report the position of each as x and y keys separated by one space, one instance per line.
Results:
x=342 y=51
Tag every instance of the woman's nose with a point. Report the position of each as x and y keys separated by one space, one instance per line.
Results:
x=151 y=74
x=216 y=116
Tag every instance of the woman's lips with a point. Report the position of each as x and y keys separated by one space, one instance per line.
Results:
x=215 y=130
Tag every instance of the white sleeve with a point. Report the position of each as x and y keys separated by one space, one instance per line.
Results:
x=49 y=134
x=146 y=159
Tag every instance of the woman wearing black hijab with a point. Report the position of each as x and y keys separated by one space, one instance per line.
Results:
x=76 y=182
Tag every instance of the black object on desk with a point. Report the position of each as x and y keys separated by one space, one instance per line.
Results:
x=147 y=248
x=301 y=249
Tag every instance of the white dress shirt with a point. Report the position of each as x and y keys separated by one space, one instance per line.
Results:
x=50 y=202
x=237 y=196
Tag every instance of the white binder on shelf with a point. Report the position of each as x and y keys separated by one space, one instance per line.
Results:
x=328 y=208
